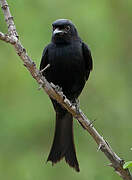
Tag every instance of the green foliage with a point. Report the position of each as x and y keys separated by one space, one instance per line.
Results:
x=27 y=116
x=127 y=164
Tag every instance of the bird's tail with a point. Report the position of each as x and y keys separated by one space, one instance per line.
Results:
x=63 y=144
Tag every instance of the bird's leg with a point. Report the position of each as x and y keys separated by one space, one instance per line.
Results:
x=76 y=103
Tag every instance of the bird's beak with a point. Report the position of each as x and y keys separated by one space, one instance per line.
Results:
x=58 y=31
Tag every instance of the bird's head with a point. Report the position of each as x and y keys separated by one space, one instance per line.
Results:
x=63 y=31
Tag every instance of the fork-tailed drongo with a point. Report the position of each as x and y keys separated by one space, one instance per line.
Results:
x=70 y=65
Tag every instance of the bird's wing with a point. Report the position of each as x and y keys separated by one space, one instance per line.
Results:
x=88 y=59
x=44 y=59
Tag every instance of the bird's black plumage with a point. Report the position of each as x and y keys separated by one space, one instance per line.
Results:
x=70 y=65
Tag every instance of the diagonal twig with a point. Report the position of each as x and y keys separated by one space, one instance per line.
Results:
x=12 y=38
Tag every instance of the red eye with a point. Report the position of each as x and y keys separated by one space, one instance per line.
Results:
x=67 y=28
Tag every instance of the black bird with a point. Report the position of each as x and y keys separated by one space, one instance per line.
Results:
x=70 y=65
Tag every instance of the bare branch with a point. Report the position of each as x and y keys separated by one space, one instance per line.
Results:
x=52 y=91
x=7 y=38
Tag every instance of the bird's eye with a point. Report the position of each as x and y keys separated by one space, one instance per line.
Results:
x=67 y=28
x=53 y=28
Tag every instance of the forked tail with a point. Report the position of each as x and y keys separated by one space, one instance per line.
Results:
x=63 y=144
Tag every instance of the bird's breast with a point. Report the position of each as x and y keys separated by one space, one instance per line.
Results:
x=66 y=68
x=66 y=57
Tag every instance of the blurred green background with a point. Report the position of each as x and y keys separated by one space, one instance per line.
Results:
x=26 y=114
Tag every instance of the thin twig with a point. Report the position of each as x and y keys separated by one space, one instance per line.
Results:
x=48 y=65
x=50 y=89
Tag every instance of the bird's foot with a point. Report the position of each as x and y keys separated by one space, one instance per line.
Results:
x=56 y=87
x=76 y=104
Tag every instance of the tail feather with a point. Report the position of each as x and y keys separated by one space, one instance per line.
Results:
x=71 y=159
x=63 y=144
